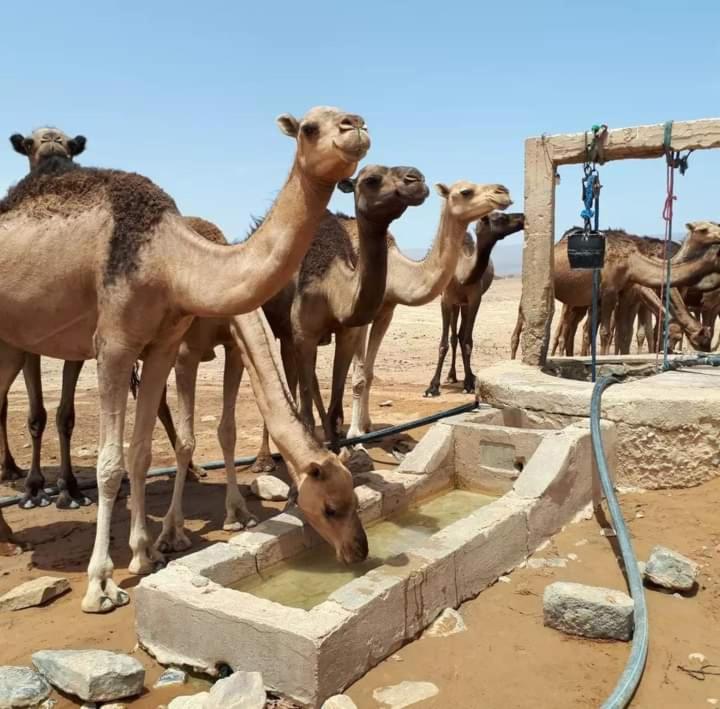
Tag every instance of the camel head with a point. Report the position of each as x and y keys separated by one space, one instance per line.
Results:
x=700 y=340
x=324 y=492
x=700 y=236
x=467 y=201
x=384 y=193
x=498 y=225
x=46 y=143
x=330 y=142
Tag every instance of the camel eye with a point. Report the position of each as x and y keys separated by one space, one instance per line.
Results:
x=467 y=192
x=310 y=129
x=372 y=180
x=330 y=512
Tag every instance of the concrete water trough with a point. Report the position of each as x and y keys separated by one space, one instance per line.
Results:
x=477 y=495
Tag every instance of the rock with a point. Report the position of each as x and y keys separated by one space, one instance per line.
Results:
x=581 y=543
x=193 y=701
x=339 y=701
x=241 y=690
x=547 y=563
x=92 y=675
x=504 y=579
x=668 y=569
x=697 y=657
x=589 y=611
x=404 y=694
x=22 y=687
x=268 y=487
x=641 y=568
x=114 y=705
x=34 y=593
x=208 y=419
x=449 y=622
x=386 y=403
x=170 y=677
x=573 y=557
x=712 y=701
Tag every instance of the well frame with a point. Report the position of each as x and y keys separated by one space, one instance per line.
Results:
x=543 y=155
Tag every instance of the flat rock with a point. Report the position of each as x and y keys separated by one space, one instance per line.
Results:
x=34 y=593
x=668 y=569
x=339 y=701
x=92 y=675
x=241 y=690
x=22 y=687
x=268 y=487
x=170 y=677
x=193 y=701
x=543 y=563
x=589 y=611
x=449 y=622
x=404 y=694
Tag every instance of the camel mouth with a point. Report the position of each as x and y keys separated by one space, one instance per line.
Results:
x=353 y=154
x=414 y=194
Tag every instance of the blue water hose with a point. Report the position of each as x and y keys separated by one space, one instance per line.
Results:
x=630 y=678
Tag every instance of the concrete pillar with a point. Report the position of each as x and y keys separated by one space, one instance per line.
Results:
x=537 y=301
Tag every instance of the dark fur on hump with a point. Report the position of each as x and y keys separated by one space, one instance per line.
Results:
x=331 y=241
x=209 y=231
x=60 y=186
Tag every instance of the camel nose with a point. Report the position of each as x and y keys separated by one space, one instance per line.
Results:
x=351 y=121
x=413 y=175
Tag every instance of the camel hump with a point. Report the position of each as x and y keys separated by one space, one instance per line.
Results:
x=332 y=242
x=207 y=230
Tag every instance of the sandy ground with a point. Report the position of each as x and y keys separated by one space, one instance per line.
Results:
x=505 y=659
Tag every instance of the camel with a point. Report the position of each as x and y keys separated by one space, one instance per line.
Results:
x=338 y=290
x=133 y=276
x=416 y=283
x=474 y=274
x=44 y=144
x=625 y=265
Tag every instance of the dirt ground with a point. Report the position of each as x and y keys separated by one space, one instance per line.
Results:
x=505 y=659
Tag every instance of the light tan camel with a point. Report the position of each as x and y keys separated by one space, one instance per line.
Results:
x=474 y=274
x=415 y=283
x=625 y=265
x=44 y=144
x=339 y=289
x=134 y=275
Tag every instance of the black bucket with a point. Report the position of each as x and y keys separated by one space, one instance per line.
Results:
x=586 y=250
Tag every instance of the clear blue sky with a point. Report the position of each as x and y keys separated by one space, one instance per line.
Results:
x=187 y=93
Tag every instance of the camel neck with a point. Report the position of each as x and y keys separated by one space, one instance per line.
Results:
x=370 y=273
x=218 y=281
x=418 y=282
x=650 y=272
x=484 y=245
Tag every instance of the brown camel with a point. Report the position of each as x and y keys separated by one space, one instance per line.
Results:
x=474 y=274
x=415 y=283
x=134 y=275
x=338 y=289
x=625 y=265
x=44 y=144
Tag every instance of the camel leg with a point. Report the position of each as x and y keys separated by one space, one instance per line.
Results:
x=306 y=377
x=9 y=469
x=37 y=419
x=173 y=537
x=70 y=496
x=454 y=314
x=448 y=313
x=237 y=514
x=194 y=472
x=515 y=338
x=114 y=366
x=346 y=344
x=561 y=330
x=11 y=362
x=466 y=343
x=359 y=383
x=377 y=333
x=607 y=307
x=624 y=319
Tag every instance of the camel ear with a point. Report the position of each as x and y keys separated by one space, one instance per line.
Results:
x=77 y=145
x=690 y=226
x=442 y=190
x=19 y=143
x=288 y=124
x=317 y=473
x=347 y=185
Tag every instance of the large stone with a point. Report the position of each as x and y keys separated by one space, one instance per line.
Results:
x=170 y=677
x=449 y=622
x=404 y=694
x=34 y=593
x=241 y=690
x=671 y=570
x=339 y=701
x=92 y=675
x=22 y=687
x=268 y=487
x=193 y=701
x=589 y=611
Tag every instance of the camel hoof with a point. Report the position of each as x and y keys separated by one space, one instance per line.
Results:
x=452 y=379
x=141 y=566
x=263 y=465
x=252 y=522
x=27 y=503
x=196 y=472
x=102 y=604
x=65 y=502
x=83 y=501
x=172 y=541
x=469 y=387
x=8 y=475
x=432 y=391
